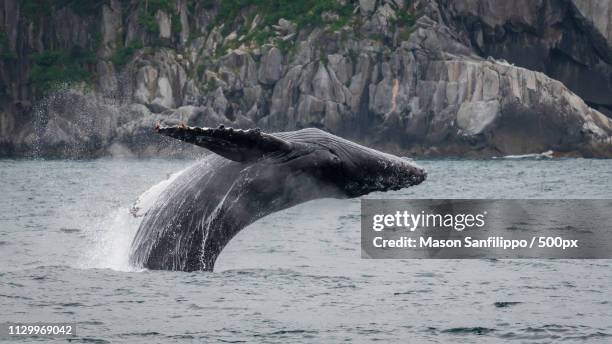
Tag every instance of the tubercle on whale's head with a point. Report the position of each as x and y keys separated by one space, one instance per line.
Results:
x=373 y=171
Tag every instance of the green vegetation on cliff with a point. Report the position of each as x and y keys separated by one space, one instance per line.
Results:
x=33 y=9
x=306 y=13
x=123 y=55
x=55 y=67
x=303 y=13
x=5 y=50
x=58 y=66
x=148 y=10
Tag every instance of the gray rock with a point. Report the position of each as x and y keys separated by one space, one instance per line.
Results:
x=157 y=107
x=111 y=28
x=578 y=53
x=238 y=69
x=164 y=23
x=285 y=27
x=341 y=66
x=474 y=118
x=442 y=86
x=367 y=6
x=271 y=67
x=231 y=37
x=164 y=95
x=321 y=83
x=146 y=81
x=107 y=78
x=184 y=18
x=599 y=12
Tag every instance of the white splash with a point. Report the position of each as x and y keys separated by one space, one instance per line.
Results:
x=545 y=155
x=145 y=201
x=112 y=238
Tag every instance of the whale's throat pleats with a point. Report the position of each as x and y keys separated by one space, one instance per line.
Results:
x=171 y=233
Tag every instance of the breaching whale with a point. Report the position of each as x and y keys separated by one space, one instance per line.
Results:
x=251 y=175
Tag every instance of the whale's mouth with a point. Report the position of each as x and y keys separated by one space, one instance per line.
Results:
x=413 y=180
x=400 y=177
x=406 y=174
x=418 y=178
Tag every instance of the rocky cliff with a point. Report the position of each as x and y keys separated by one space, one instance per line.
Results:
x=437 y=77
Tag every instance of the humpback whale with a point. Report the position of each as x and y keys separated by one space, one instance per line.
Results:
x=250 y=175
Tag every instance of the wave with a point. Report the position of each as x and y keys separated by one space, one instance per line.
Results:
x=537 y=156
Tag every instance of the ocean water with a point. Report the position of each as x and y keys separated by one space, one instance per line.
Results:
x=294 y=276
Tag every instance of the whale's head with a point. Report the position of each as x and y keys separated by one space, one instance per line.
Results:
x=366 y=170
x=357 y=170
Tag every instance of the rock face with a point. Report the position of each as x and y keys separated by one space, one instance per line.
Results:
x=567 y=40
x=461 y=77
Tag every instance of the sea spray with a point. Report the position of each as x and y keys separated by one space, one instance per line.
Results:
x=112 y=237
x=111 y=241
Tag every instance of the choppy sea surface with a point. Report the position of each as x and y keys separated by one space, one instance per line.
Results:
x=294 y=276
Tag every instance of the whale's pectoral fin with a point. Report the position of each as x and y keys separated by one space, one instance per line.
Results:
x=234 y=144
